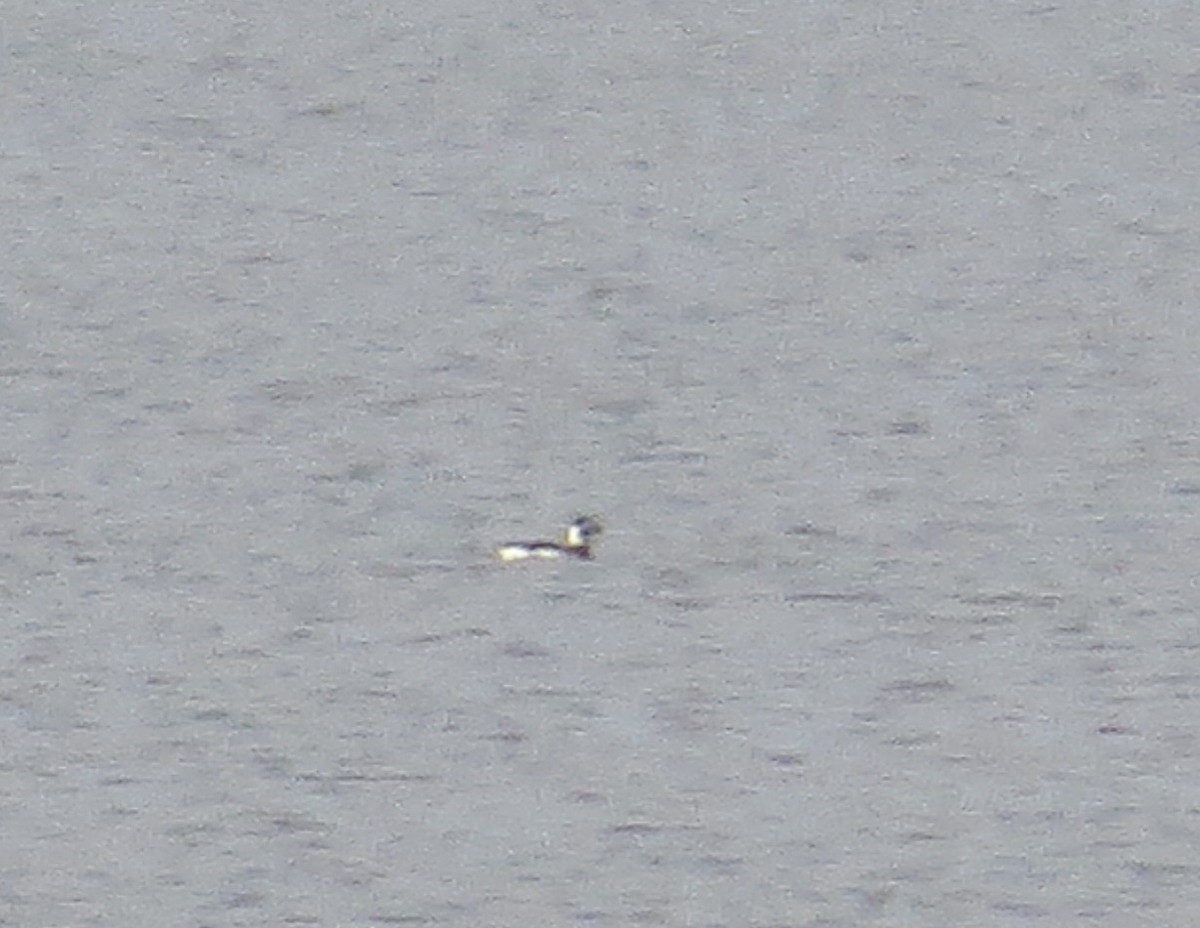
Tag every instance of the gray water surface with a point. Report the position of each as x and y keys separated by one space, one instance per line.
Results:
x=869 y=329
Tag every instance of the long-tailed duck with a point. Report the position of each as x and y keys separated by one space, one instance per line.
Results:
x=577 y=543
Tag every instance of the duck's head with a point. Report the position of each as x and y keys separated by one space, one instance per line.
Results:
x=581 y=532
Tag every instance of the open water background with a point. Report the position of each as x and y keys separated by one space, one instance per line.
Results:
x=870 y=329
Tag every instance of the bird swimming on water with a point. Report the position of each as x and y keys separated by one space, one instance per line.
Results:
x=576 y=543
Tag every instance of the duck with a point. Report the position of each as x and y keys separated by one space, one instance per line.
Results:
x=576 y=543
